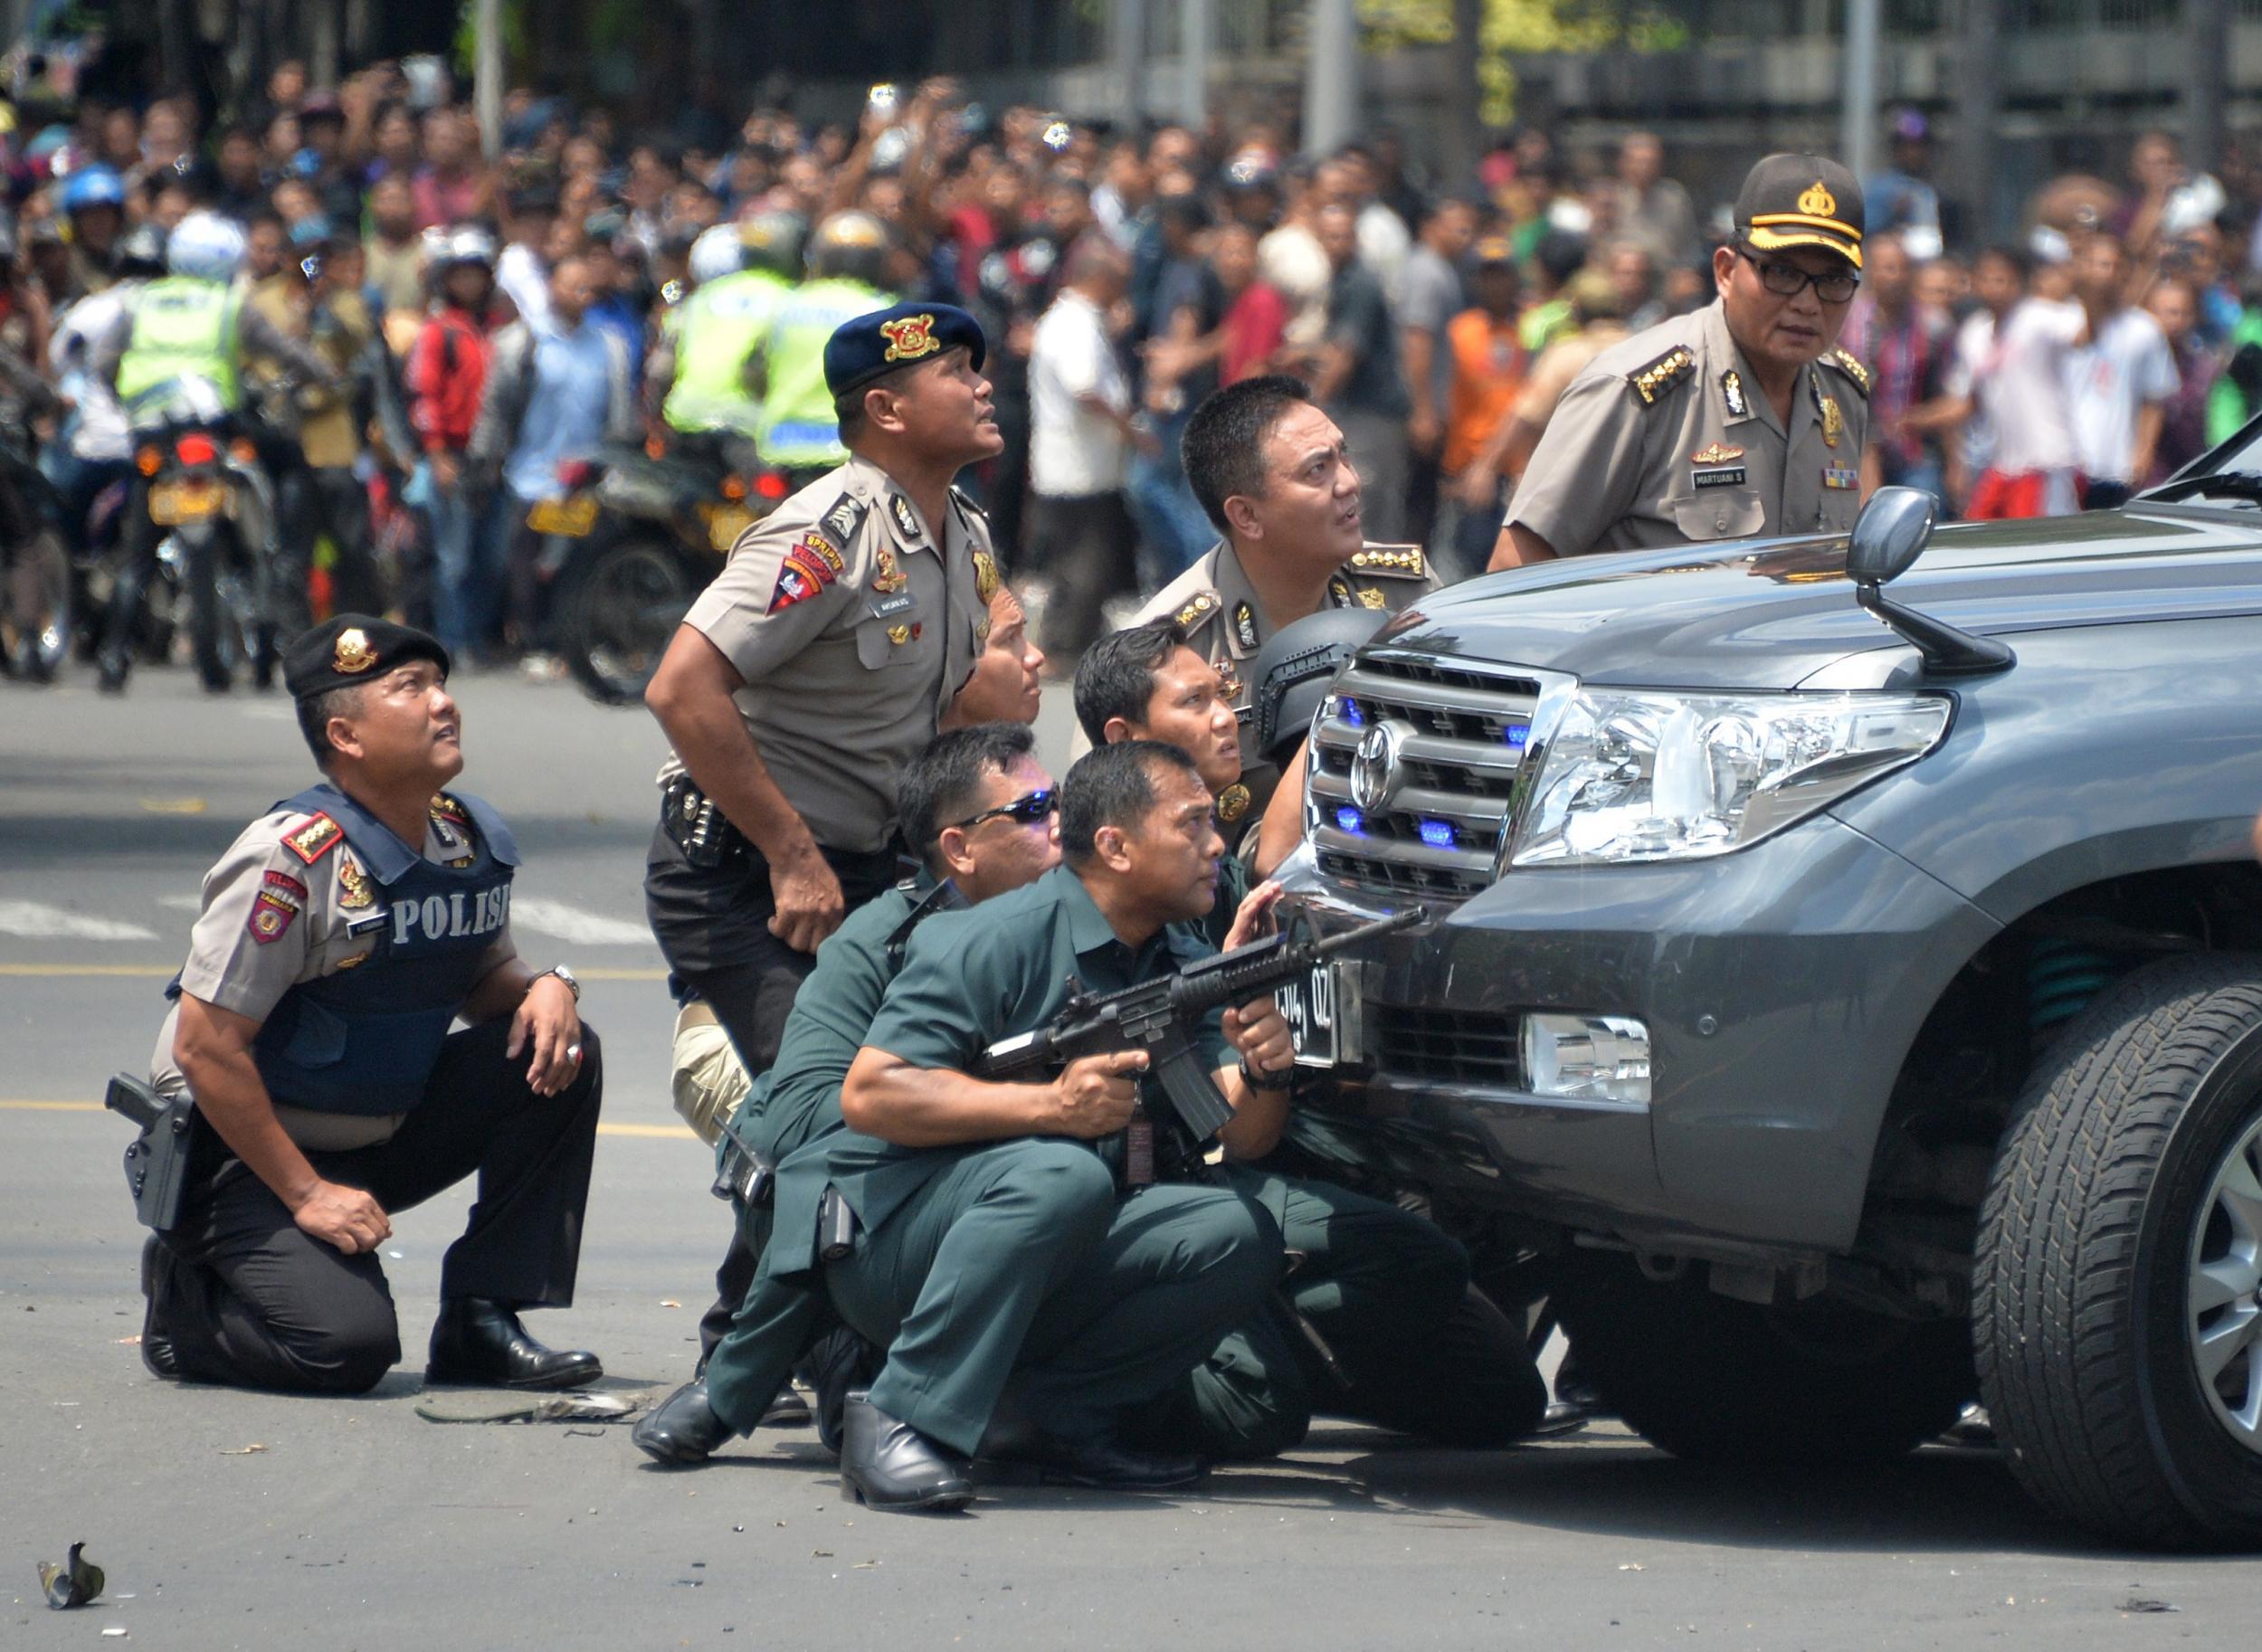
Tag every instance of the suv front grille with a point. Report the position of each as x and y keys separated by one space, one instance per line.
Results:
x=1445 y=1046
x=1461 y=739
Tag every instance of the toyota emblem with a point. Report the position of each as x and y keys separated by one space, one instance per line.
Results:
x=1374 y=768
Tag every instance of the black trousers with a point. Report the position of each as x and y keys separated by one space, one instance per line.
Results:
x=247 y=1297
x=713 y=928
x=1088 y=547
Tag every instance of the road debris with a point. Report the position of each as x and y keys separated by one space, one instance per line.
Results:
x=256 y=1446
x=2137 y=1603
x=74 y=1583
x=576 y=1406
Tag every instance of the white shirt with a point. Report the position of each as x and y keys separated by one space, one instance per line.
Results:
x=98 y=428
x=2107 y=381
x=1073 y=451
x=1974 y=342
x=2021 y=387
x=520 y=273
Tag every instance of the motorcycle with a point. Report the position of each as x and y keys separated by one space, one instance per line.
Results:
x=37 y=594
x=632 y=538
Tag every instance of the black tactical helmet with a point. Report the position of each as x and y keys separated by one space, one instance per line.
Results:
x=850 y=246
x=773 y=243
x=1294 y=669
x=142 y=253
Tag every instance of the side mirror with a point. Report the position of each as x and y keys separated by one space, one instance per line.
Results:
x=1890 y=535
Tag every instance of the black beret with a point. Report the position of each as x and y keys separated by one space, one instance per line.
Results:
x=353 y=647
x=861 y=350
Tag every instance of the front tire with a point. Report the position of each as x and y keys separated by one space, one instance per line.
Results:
x=2118 y=1291
x=625 y=611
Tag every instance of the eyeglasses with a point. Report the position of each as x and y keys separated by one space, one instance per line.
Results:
x=1787 y=281
x=1023 y=810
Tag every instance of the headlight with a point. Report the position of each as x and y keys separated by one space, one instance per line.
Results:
x=1650 y=776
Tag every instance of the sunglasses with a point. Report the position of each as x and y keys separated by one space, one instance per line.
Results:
x=1787 y=281
x=1022 y=811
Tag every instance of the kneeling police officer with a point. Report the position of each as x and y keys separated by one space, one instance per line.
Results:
x=342 y=934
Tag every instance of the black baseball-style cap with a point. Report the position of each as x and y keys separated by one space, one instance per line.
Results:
x=1801 y=201
x=900 y=336
x=353 y=647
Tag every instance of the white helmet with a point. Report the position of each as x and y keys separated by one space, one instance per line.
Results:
x=718 y=252
x=469 y=244
x=205 y=247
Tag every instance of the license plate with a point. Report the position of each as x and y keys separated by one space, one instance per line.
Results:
x=1309 y=1006
x=573 y=516
x=724 y=523
x=175 y=502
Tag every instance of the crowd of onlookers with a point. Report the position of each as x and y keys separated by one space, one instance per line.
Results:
x=1120 y=276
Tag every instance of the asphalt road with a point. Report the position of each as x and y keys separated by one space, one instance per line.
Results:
x=230 y=1519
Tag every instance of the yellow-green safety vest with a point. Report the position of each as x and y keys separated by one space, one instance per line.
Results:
x=720 y=325
x=183 y=328
x=798 y=428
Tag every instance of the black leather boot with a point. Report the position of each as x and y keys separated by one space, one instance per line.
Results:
x=683 y=1429
x=1099 y=1462
x=480 y=1343
x=890 y=1465
x=156 y=1348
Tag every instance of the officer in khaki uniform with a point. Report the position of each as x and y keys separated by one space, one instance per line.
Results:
x=1273 y=473
x=1741 y=420
x=804 y=677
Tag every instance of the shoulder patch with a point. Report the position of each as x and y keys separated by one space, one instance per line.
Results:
x=314 y=837
x=1660 y=376
x=1848 y=364
x=1205 y=604
x=1390 y=561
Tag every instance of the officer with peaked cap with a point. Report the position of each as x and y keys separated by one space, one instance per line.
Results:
x=809 y=674
x=341 y=937
x=1741 y=420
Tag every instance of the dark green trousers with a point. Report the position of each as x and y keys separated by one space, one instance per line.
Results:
x=775 y=1322
x=1019 y=1266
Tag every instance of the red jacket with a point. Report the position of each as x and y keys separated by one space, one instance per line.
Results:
x=447 y=370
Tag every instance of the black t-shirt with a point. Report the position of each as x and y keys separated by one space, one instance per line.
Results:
x=1189 y=284
x=1359 y=320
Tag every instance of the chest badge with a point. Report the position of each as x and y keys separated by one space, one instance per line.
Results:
x=1232 y=802
x=985 y=577
x=1229 y=680
x=1833 y=422
x=1371 y=596
x=907 y=520
x=1840 y=476
x=1245 y=624
x=354 y=892
x=888 y=574
x=982 y=631
x=1717 y=454
x=1732 y=395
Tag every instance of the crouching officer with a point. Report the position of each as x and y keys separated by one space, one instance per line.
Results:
x=1273 y=473
x=341 y=937
x=809 y=673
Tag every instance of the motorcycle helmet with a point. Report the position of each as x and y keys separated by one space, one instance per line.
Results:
x=142 y=253
x=1294 y=669
x=205 y=247
x=718 y=252
x=467 y=244
x=92 y=186
x=850 y=246
x=773 y=243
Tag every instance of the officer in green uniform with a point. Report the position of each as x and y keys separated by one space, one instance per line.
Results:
x=1418 y=1347
x=848 y=260
x=710 y=356
x=1028 y=1311
x=1273 y=473
x=981 y=809
x=1739 y=421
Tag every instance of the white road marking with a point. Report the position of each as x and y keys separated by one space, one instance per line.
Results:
x=571 y=923
x=37 y=922
x=182 y=903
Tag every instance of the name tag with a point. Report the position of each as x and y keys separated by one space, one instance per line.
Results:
x=1726 y=476
x=1840 y=476
x=887 y=607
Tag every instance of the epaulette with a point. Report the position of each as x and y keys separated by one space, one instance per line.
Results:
x=1391 y=560
x=1661 y=375
x=1205 y=604
x=1850 y=365
x=314 y=837
x=966 y=502
x=843 y=521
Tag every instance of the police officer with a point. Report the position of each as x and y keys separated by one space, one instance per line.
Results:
x=710 y=357
x=341 y=935
x=1273 y=473
x=848 y=261
x=1741 y=420
x=814 y=667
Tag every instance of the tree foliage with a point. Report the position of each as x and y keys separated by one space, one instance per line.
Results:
x=1522 y=27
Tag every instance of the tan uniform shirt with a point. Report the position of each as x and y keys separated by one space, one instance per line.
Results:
x=1666 y=439
x=854 y=626
x=1226 y=624
x=269 y=921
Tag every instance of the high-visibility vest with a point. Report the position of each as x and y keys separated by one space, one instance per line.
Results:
x=798 y=429
x=183 y=328
x=720 y=325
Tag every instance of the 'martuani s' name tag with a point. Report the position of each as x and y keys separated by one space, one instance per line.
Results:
x=1724 y=476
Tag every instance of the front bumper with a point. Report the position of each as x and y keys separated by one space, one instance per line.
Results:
x=1783 y=987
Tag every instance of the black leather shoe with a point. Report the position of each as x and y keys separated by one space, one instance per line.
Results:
x=111 y=678
x=1103 y=1464
x=156 y=1348
x=788 y=1410
x=890 y=1465
x=683 y=1429
x=479 y=1343
x=1562 y=1417
x=840 y=1363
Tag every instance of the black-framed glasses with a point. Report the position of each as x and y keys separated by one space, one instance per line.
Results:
x=1022 y=812
x=1787 y=281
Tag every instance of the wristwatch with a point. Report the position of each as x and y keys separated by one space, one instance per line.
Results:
x=1282 y=1080
x=565 y=976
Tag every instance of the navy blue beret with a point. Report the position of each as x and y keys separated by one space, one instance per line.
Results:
x=861 y=350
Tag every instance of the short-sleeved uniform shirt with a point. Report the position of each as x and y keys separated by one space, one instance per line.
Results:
x=1226 y=625
x=269 y=921
x=1667 y=440
x=854 y=621
x=970 y=979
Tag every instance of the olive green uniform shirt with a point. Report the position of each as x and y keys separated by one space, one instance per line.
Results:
x=854 y=625
x=1226 y=624
x=1667 y=440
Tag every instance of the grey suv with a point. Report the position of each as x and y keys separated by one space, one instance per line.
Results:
x=1844 y=981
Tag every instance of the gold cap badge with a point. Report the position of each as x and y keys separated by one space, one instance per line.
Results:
x=1818 y=201
x=914 y=336
x=352 y=653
